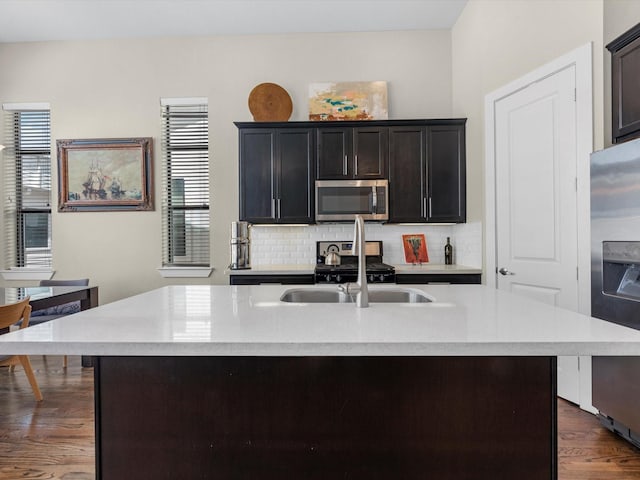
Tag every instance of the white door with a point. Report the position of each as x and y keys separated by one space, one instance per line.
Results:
x=536 y=208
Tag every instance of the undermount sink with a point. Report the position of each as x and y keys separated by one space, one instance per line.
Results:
x=312 y=295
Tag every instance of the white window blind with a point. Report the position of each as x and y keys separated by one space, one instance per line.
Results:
x=27 y=183
x=185 y=182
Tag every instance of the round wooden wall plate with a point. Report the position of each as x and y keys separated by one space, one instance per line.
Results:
x=269 y=102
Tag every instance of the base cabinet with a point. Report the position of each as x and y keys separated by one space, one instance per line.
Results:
x=318 y=418
x=425 y=278
x=257 y=279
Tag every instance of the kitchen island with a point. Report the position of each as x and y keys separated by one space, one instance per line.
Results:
x=229 y=382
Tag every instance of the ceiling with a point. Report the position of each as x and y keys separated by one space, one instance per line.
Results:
x=45 y=20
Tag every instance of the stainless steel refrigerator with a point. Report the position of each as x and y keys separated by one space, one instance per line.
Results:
x=615 y=280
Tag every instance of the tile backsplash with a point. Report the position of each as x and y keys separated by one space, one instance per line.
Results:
x=296 y=245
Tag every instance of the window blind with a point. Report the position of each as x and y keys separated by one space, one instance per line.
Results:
x=185 y=183
x=27 y=182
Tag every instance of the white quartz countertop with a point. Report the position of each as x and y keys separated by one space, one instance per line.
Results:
x=428 y=268
x=250 y=320
x=292 y=269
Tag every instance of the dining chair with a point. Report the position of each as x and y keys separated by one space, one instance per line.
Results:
x=18 y=313
x=51 y=313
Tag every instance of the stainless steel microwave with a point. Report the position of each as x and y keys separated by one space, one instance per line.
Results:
x=342 y=200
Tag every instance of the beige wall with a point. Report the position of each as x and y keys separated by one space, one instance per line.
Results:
x=619 y=16
x=494 y=42
x=112 y=89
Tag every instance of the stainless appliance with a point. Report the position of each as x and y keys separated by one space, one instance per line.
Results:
x=615 y=280
x=240 y=244
x=347 y=270
x=342 y=200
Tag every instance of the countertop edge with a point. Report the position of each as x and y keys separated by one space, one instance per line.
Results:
x=403 y=269
x=448 y=349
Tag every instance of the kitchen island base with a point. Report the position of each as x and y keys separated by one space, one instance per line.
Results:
x=314 y=418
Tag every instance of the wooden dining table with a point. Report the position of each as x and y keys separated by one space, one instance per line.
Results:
x=46 y=297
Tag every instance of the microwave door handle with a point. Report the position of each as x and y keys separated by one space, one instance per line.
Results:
x=374 y=200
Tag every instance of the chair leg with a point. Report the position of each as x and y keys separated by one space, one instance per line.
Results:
x=64 y=362
x=26 y=364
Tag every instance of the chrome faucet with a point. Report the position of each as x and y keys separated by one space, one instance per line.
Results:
x=359 y=248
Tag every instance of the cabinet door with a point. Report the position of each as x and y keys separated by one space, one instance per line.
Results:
x=257 y=157
x=370 y=152
x=625 y=71
x=334 y=153
x=295 y=189
x=407 y=174
x=446 y=174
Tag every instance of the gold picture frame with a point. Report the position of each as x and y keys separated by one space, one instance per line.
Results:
x=105 y=174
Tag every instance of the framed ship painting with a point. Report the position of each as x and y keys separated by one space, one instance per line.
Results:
x=415 y=248
x=105 y=174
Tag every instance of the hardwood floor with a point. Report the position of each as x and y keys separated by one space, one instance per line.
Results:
x=54 y=439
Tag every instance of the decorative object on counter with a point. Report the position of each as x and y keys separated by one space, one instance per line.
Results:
x=269 y=102
x=240 y=259
x=415 y=248
x=448 y=253
x=105 y=174
x=333 y=255
x=330 y=101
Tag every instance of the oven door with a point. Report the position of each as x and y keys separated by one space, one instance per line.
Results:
x=342 y=200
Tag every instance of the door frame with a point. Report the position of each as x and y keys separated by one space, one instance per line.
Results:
x=582 y=59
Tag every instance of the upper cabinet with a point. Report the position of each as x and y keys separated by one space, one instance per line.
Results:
x=276 y=175
x=427 y=173
x=351 y=152
x=424 y=161
x=447 y=174
x=625 y=88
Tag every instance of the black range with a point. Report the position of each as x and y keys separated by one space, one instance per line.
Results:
x=347 y=269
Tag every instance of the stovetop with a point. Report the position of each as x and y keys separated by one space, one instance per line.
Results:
x=347 y=271
x=347 y=265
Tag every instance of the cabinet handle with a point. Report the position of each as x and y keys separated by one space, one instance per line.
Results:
x=429 y=207
x=273 y=207
x=424 y=207
x=356 y=166
x=344 y=166
x=279 y=214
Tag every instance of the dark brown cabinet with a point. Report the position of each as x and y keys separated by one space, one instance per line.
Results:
x=625 y=87
x=280 y=279
x=351 y=152
x=424 y=161
x=438 y=278
x=276 y=175
x=408 y=174
x=427 y=172
x=446 y=172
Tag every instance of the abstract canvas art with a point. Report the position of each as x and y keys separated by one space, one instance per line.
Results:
x=415 y=248
x=332 y=101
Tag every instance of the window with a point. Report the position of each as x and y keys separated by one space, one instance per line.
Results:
x=185 y=182
x=27 y=178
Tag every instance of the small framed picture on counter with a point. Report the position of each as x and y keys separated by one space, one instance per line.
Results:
x=415 y=248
